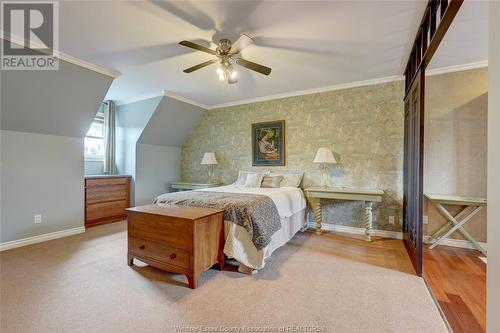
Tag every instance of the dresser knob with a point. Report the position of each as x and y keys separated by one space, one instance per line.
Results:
x=173 y=256
x=142 y=247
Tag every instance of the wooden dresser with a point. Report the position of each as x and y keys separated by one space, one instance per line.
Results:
x=106 y=198
x=179 y=239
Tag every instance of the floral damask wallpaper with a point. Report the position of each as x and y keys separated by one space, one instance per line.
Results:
x=363 y=126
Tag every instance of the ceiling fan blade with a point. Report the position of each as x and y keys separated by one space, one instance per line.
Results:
x=253 y=66
x=240 y=44
x=203 y=64
x=198 y=47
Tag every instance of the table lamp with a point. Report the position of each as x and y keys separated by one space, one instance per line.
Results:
x=324 y=156
x=209 y=160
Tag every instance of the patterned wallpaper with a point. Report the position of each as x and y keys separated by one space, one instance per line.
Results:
x=363 y=126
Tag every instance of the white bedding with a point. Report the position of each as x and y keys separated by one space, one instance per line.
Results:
x=240 y=247
x=288 y=200
x=291 y=204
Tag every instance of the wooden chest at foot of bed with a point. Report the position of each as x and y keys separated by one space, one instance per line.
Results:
x=178 y=239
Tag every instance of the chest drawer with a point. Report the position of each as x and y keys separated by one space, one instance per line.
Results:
x=106 y=209
x=160 y=252
x=176 y=232
x=106 y=181
x=106 y=193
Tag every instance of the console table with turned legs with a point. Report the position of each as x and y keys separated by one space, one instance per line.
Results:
x=317 y=194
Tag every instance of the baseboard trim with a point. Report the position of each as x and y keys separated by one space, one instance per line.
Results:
x=41 y=238
x=358 y=231
x=394 y=234
x=465 y=244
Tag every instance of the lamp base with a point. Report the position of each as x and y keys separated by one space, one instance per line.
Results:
x=324 y=171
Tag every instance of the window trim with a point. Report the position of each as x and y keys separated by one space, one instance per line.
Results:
x=99 y=118
x=93 y=159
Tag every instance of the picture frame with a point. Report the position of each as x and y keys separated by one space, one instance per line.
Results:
x=268 y=143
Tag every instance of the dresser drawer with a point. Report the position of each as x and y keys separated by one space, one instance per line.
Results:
x=160 y=252
x=106 y=193
x=105 y=181
x=104 y=210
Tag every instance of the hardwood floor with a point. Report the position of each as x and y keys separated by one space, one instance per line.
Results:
x=457 y=278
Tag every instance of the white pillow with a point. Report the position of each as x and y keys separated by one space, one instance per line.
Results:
x=254 y=179
x=242 y=176
x=290 y=179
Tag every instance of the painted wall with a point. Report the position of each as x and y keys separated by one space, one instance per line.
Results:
x=157 y=166
x=149 y=136
x=456 y=143
x=41 y=174
x=493 y=301
x=1 y=162
x=131 y=119
x=363 y=126
x=45 y=115
x=93 y=167
x=171 y=123
x=61 y=102
x=158 y=149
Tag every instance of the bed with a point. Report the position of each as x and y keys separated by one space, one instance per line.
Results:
x=250 y=237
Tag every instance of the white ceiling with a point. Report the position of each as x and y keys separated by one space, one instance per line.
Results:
x=467 y=39
x=307 y=44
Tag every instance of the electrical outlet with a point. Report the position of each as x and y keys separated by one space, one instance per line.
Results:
x=425 y=219
x=391 y=220
x=38 y=218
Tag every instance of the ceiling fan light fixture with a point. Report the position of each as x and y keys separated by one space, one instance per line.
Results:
x=226 y=56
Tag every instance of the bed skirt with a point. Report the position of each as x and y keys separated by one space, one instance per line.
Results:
x=239 y=244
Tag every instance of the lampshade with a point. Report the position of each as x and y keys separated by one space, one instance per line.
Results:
x=209 y=158
x=324 y=155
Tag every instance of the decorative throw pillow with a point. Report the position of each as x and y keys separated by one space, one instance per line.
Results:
x=254 y=179
x=290 y=179
x=271 y=181
x=242 y=176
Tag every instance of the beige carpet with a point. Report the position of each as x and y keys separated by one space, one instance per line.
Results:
x=334 y=283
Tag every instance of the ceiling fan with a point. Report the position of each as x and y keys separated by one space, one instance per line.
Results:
x=227 y=55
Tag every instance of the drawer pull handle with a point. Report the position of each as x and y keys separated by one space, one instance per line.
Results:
x=142 y=247
x=173 y=256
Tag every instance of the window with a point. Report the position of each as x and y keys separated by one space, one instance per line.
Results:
x=94 y=140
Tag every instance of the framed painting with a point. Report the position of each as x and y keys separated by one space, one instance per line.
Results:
x=268 y=143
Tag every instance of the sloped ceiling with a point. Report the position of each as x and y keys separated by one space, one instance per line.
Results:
x=131 y=119
x=171 y=123
x=308 y=44
x=62 y=102
x=135 y=116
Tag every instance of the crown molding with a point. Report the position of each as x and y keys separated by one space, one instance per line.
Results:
x=161 y=94
x=457 y=68
x=437 y=71
x=139 y=98
x=185 y=100
x=311 y=91
x=61 y=55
